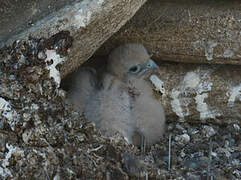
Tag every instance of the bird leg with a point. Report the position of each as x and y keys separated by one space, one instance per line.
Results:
x=143 y=145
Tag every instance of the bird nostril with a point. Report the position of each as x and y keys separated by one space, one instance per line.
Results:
x=151 y=64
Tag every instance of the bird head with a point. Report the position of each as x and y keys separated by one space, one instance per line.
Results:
x=130 y=60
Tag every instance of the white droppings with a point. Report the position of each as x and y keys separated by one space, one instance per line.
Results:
x=8 y=112
x=193 y=83
x=204 y=86
x=159 y=85
x=208 y=47
x=179 y=103
x=6 y=108
x=191 y=80
x=4 y=171
x=234 y=94
x=53 y=72
x=176 y=104
x=228 y=53
x=202 y=107
x=83 y=16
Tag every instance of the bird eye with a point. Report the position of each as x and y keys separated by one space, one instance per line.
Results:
x=135 y=69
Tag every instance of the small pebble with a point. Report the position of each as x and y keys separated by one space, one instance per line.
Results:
x=236 y=127
x=42 y=55
x=182 y=139
x=208 y=131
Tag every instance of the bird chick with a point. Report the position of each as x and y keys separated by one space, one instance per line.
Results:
x=131 y=63
x=124 y=102
x=81 y=85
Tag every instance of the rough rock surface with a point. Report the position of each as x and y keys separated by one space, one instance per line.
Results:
x=196 y=31
x=17 y=16
x=91 y=23
x=199 y=92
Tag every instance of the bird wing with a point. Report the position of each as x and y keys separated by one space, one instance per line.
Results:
x=82 y=85
x=147 y=113
x=110 y=108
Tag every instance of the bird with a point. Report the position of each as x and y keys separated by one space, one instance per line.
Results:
x=120 y=98
x=81 y=85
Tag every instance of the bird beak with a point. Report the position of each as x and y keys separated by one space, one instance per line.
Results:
x=148 y=66
x=151 y=64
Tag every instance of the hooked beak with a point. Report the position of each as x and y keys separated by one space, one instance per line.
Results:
x=148 y=66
